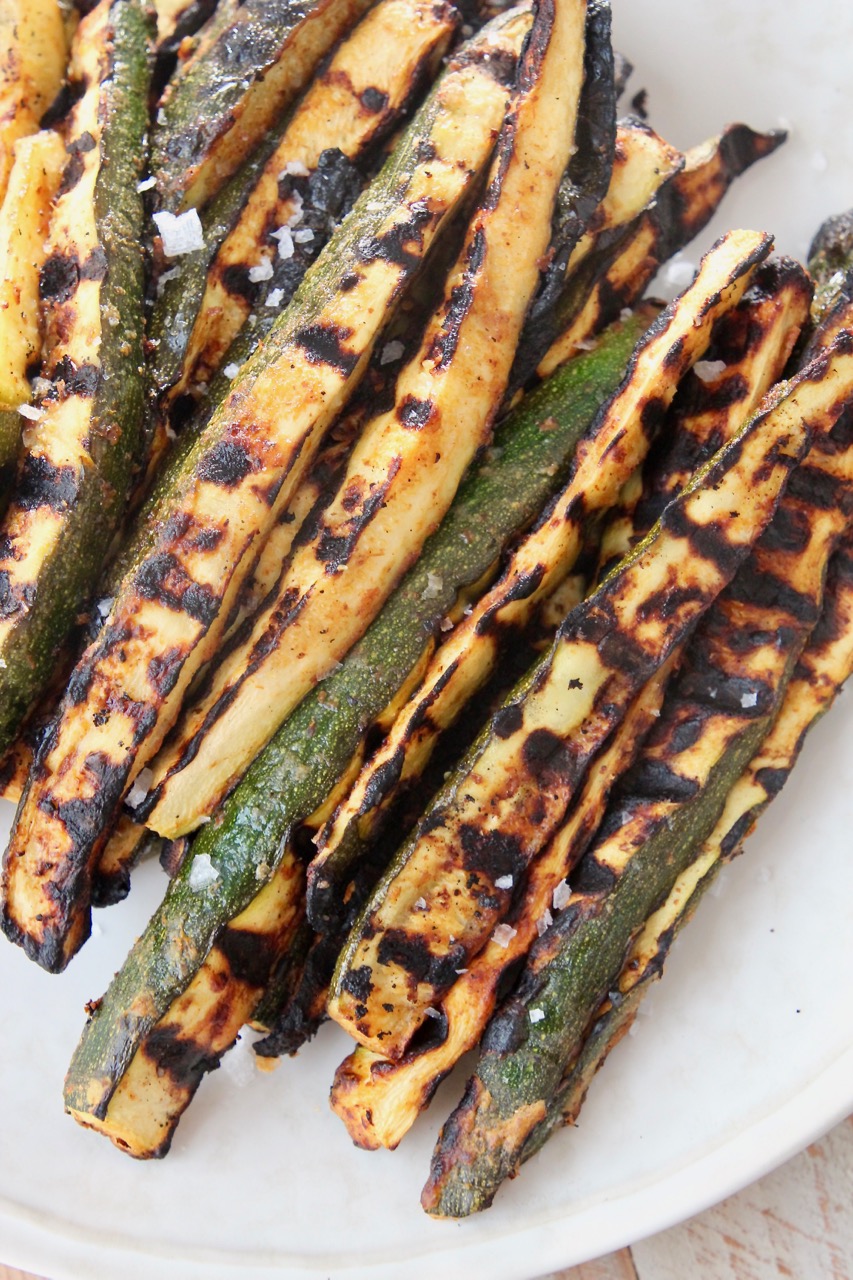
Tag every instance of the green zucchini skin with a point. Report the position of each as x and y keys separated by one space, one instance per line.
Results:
x=211 y=114
x=293 y=775
x=830 y=256
x=10 y=440
x=40 y=614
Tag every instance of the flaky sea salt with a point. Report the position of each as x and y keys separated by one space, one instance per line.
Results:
x=105 y=605
x=432 y=1013
x=561 y=895
x=30 y=412
x=164 y=279
x=304 y=236
x=709 y=370
x=544 y=922
x=146 y=184
x=231 y=370
x=391 y=351
x=294 y=169
x=140 y=788
x=261 y=272
x=434 y=586
x=284 y=236
x=202 y=872
x=504 y=934
x=180 y=233
x=537 y=1015
x=274 y=298
x=420 y=904
x=504 y=882
x=748 y=700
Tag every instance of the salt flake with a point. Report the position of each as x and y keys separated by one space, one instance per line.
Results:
x=263 y=271
x=146 y=184
x=391 y=351
x=274 y=298
x=434 y=586
x=709 y=370
x=561 y=895
x=202 y=872
x=140 y=788
x=30 y=412
x=231 y=370
x=504 y=882
x=503 y=935
x=536 y=1015
x=304 y=236
x=544 y=922
x=749 y=700
x=181 y=233
x=294 y=169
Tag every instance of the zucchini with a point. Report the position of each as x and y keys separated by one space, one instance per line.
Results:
x=243 y=74
x=331 y=117
x=24 y=217
x=379 y=1099
x=172 y=605
x=80 y=452
x=293 y=775
x=749 y=351
x=608 y=454
x=725 y=699
x=824 y=666
x=33 y=57
x=447 y=889
x=830 y=258
x=409 y=459
x=622 y=259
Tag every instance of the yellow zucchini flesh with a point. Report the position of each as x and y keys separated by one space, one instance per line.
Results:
x=33 y=57
x=408 y=462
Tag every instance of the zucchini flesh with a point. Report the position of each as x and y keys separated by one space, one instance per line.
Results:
x=79 y=455
x=726 y=697
x=240 y=473
x=494 y=815
x=824 y=666
x=34 y=48
x=606 y=457
x=331 y=115
x=24 y=219
x=293 y=775
x=751 y=346
x=408 y=462
x=229 y=92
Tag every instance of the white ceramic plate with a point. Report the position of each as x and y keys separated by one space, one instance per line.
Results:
x=748 y=1053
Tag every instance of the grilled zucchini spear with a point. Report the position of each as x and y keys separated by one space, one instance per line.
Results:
x=242 y=470
x=352 y=104
x=824 y=666
x=33 y=57
x=408 y=462
x=726 y=697
x=251 y=61
x=379 y=1099
x=292 y=777
x=81 y=450
x=452 y=882
x=607 y=456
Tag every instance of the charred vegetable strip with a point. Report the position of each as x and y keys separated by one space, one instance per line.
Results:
x=408 y=462
x=605 y=459
x=621 y=262
x=451 y=883
x=379 y=1099
x=80 y=452
x=229 y=92
x=172 y=605
x=748 y=353
x=33 y=56
x=724 y=702
x=354 y=102
x=294 y=774
x=24 y=218
x=824 y=666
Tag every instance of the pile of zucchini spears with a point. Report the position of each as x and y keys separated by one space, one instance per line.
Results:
x=441 y=613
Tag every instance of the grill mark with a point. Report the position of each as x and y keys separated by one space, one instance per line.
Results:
x=226 y=464
x=592 y=876
x=461 y=297
x=164 y=579
x=390 y=246
x=415 y=414
x=736 y=833
x=819 y=489
x=383 y=779
x=548 y=758
x=506 y=1032
x=373 y=100
x=411 y=953
x=163 y=670
x=654 y=779
x=235 y=280
x=335 y=550
x=183 y=1060
x=507 y=721
x=250 y=955
x=324 y=344
x=499 y=64
x=59 y=277
x=95 y=266
x=523 y=587
x=767 y=591
x=492 y=853
x=79 y=380
x=772 y=780
x=41 y=484
x=709 y=540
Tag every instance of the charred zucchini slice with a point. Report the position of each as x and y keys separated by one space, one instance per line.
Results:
x=33 y=58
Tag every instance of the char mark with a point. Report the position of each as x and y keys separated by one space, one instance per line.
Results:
x=226 y=464
x=59 y=277
x=410 y=952
x=41 y=484
x=491 y=853
x=523 y=587
x=250 y=955
x=163 y=578
x=324 y=344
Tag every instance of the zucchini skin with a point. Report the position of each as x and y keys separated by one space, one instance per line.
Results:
x=82 y=495
x=229 y=92
x=613 y=447
x=438 y=903
x=733 y=681
x=409 y=459
x=824 y=666
x=292 y=776
x=239 y=474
